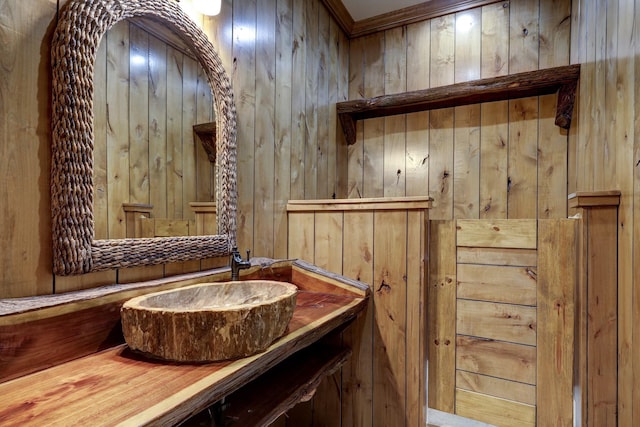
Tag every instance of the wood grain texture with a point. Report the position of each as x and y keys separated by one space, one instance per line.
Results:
x=557 y=267
x=264 y=140
x=511 y=285
x=118 y=129
x=100 y=208
x=515 y=362
x=312 y=65
x=441 y=299
x=417 y=340
x=499 y=412
x=373 y=130
x=243 y=80
x=497 y=233
x=417 y=140
x=298 y=112
x=160 y=405
x=497 y=256
x=283 y=124
x=504 y=322
x=395 y=81
x=498 y=387
x=390 y=305
x=357 y=374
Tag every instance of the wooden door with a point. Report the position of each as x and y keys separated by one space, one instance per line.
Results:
x=501 y=320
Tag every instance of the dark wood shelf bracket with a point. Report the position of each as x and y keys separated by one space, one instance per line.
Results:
x=560 y=80
x=206 y=132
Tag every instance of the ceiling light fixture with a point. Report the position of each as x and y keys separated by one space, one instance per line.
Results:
x=205 y=7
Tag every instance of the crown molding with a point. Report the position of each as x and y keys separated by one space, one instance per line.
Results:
x=340 y=14
x=408 y=15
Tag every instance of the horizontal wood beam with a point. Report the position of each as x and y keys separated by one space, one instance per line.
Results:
x=533 y=83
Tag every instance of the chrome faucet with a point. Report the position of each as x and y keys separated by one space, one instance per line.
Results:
x=237 y=263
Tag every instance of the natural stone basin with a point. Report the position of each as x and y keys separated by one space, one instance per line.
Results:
x=210 y=321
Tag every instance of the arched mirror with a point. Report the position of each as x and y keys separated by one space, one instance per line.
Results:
x=81 y=26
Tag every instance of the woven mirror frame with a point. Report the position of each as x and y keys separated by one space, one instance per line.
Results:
x=81 y=25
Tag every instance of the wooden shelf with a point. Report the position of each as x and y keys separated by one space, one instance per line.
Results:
x=562 y=80
x=207 y=134
x=117 y=386
x=262 y=401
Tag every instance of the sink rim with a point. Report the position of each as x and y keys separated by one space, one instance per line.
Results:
x=289 y=290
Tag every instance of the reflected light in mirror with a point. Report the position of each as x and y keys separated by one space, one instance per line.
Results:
x=200 y=7
x=208 y=7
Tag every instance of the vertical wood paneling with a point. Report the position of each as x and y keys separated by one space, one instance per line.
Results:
x=311 y=102
x=627 y=180
x=264 y=150
x=205 y=184
x=324 y=69
x=336 y=165
x=466 y=171
x=158 y=126
x=138 y=115
x=282 y=117
x=355 y=152
x=416 y=315
x=25 y=155
x=100 y=207
x=552 y=142
x=118 y=129
x=390 y=302
x=328 y=255
x=373 y=129
x=189 y=149
x=357 y=373
x=342 y=151
x=441 y=299
x=395 y=81
x=174 y=134
x=441 y=166
x=417 y=140
x=523 y=113
x=557 y=276
x=298 y=85
x=494 y=116
x=244 y=83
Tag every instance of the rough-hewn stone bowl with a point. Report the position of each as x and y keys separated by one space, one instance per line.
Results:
x=210 y=321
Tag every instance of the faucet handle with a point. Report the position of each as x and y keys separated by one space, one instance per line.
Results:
x=248 y=254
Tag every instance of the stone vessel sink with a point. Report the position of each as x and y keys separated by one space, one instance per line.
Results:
x=210 y=321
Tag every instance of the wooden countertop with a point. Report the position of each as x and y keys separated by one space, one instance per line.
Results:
x=119 y=387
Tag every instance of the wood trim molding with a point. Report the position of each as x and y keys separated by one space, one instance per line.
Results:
x=408 y=15
x=582 y=199
x=340 y=14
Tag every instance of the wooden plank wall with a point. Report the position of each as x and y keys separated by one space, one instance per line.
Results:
x=296 y=70
x=605 y=156
x=496 y=160
x=383 y=384
x=501 y=320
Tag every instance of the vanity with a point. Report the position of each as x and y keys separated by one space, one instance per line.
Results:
x=64 y=360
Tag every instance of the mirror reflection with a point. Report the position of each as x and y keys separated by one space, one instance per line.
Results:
x=150 y=91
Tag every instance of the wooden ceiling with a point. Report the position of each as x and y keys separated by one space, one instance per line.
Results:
x=395 y=18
